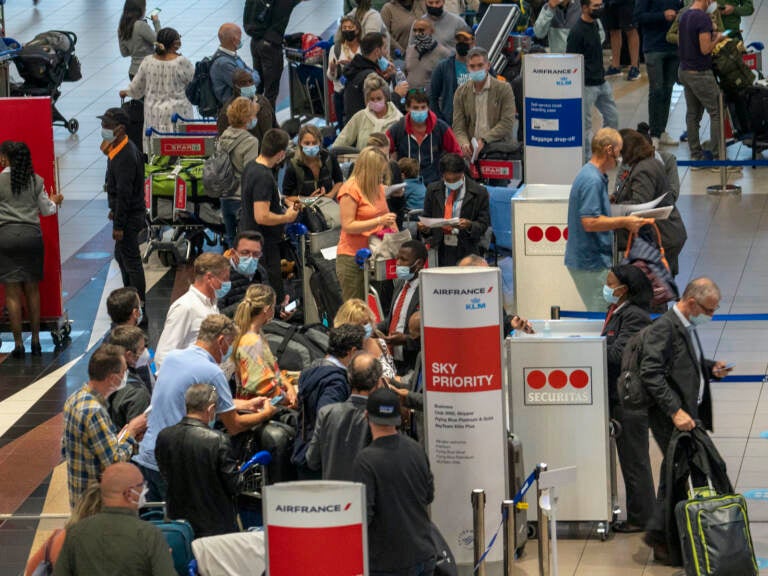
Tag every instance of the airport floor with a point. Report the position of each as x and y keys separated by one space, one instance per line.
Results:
x=728 y=241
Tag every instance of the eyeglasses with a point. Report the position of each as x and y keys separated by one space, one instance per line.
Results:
x=708 y=311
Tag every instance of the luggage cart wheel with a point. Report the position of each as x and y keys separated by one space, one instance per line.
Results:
x=57 y=338
x=533 y=531
x=66 y=330
x=72 y=125
x=603 y=530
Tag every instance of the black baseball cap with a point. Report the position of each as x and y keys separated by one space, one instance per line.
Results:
x=115 y=116
x=384 y=407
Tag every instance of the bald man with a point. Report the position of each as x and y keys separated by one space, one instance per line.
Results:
x=226 y=60
x=116 y=541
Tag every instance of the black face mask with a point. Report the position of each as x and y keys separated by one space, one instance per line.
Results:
x=597 y=14
x=462 y=49
x=348 y=35
x=433 y=11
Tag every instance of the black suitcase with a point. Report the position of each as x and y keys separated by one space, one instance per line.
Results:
x=325 y=287
x=277 y=438
x=516 y=478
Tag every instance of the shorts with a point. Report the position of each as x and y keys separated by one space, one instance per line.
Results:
x=619 y=16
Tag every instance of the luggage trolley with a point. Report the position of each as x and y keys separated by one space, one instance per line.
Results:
x=378 y=270
x=308 y=86
x=183 y=125
x=9 y=49
x=183 y=207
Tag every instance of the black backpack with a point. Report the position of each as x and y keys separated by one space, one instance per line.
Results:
x=757 y=108
x=632 y=393
x=256 y=12
x=200 y=92
x=325 y=287
x=296 y=347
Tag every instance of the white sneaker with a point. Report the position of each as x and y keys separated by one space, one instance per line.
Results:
x=667 y=140
x=655 y=142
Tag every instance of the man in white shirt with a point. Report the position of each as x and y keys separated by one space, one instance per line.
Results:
x=187 y=313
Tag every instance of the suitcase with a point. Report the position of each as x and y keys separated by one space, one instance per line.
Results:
x=445 y=564
x=178 y=534
x=516 y=479
x=714 y=534
x=325 y=287
x=277 y=438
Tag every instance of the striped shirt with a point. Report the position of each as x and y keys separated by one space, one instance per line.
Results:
x=90 y=442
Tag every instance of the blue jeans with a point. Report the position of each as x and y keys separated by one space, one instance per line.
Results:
x=662 y=75
x=425 y=568
x=601 y=97
x=230 y=213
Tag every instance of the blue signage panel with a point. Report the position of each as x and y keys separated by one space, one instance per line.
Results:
x=553 y=123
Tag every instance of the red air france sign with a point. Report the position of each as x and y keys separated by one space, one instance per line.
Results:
x=558 y=386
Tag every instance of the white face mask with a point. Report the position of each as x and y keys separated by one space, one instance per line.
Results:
x=711 y=8
x=142 y=497
x=144 y=359
x=122 y=384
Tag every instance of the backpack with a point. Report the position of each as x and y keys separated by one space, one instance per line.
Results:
x=732 y=73
x=219 y=177
x=325 y=287
x=757 y=108
x=632 y=393
x=200 y=92
x=256 y=11
x=295 y=347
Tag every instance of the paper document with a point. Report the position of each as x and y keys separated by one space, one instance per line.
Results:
x=393 y=188
x=329 y=253
x=437 y=222
x=657 y=213
x=475 y=151
x=627 y=209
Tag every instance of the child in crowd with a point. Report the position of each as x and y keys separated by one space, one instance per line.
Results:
x=414 y=187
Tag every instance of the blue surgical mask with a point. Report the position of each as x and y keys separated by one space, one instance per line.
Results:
x=368 y=330
x=252 y=123
x=419 y=116
x=226 y=355
x=608 y=295
x=404 y=272
x=478 y=75
x=107 y=134
x=239 y=45
x=247 y=265
x=454 y=185
x=212 y=422
x=221 y=292
x=383 y=64
x=700 y=319
x=248 y=91
x=311 y=151
x=141 y=316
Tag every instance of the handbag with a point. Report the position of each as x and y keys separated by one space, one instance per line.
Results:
x=45 y=568
x=386 y=245
x=649 y=257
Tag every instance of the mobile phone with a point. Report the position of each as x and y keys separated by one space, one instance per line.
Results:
x=729 y=366
x=276 y=400
x=155 y=12
x=291 y=306
x=148 y=410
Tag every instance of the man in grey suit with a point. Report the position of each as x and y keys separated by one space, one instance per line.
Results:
x=676 y=375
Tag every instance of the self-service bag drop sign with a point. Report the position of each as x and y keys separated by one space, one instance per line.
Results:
x=558 y=386
x=316 y=527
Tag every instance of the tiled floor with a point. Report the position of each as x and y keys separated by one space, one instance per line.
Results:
x=728 y=240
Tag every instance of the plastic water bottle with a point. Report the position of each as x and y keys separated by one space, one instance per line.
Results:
x=399 y=79
x=547 y=329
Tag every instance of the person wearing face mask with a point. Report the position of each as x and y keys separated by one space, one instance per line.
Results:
x=676 y=375
x=371 y=60
x=161 y=81
x=324 y=383
x=243 y=85
x=124 y=310
x=313 y=171
x=225 y=60
x=555 y=21
x=194 y=449
x=370 y=21
x=589 y=247
x=188 y=311
x=245 y=269
x=423 y=136
x=125 y=196
x=628 y=293
x=200 y=363
x=257 y=374
x=448 y=75
x=115 y=540
x=456 y=196
x=378 y=115
x=356 y=312
x=91 y=442
x=484 y=107
x=242 y=148
x=133 y=398
x=411 y=258
x=586 y=38
x=263 y=209
x=422 y=57
x=345 y=47
x=398 y=16
x=446 y=24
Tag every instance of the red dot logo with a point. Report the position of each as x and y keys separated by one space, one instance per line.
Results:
x=553 y=233
x=565 y=233
x=579 y=379
x=557 y=379
x=536 y=379
x=535 y=234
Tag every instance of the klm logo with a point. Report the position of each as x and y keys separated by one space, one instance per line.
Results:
x=564 y=81
x=475 y=304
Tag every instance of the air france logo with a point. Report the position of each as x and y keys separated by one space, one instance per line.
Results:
x=462 y=291
x=564 y=81
x=318 y=509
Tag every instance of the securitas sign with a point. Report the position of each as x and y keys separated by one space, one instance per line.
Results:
x=558 y=386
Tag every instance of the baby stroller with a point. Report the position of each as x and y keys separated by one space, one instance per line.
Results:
x=44 y=63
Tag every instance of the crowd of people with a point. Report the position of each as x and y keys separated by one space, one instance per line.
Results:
x=415 y=98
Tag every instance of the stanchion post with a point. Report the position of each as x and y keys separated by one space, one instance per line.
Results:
x=478 y=528
x=723 y=187
x=543 y=525
x=508 y=513
x=554 y=312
